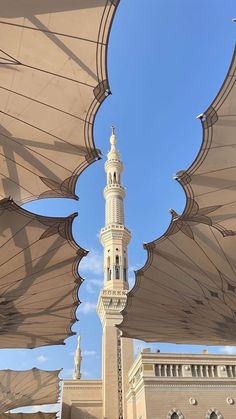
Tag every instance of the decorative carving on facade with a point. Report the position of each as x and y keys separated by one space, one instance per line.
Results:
x=193 y=401
x=230 y=400
x=202 y=371
x=177 y=411
x=216 y=411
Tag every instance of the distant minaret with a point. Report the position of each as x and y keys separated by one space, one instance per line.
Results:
x=117 y=355
x=77 y=361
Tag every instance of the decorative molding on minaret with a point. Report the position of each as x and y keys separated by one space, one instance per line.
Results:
x=77 y=361
x=111 y=303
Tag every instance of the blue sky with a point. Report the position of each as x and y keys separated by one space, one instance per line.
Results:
x=166 y=63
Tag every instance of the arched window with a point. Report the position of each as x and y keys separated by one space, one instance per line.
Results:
x=117 y=268
x=175 y=414
x=108 y=268
x=114 y=177
x=117 y=272
x=214 y=414
x=125 y=270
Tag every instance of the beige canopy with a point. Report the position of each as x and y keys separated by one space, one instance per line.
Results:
x=186 y=292
x=38 y=278
x=28 y=388
x=38 y=415
x=53 y=79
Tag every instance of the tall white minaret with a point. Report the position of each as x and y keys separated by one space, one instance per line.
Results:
x=117 y=356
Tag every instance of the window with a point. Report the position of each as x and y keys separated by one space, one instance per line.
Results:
x=125 y=270
x=214 y=414
x=108 y=268
x=117 y=272
x=175 y=414
x=117 y=267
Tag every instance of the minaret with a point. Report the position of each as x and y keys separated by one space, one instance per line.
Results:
x=117 y=352
x=77 y=361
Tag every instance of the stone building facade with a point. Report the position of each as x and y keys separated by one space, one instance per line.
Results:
x=82 y=399
x=163 y=386
x=182 y=386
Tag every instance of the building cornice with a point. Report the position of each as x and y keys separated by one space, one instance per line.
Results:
x=81 y=383
x=181 y=359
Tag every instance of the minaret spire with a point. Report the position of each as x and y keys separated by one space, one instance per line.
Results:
x=113 y=139
x=112 y=134
x=77 y=360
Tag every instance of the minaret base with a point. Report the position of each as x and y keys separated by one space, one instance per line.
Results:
x=117 y=354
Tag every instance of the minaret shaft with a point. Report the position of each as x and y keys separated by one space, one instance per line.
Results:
x=77 y=361
x=117 y=356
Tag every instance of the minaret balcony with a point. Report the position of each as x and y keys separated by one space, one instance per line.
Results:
x=114 y=232
x=114 y=187
x=115 y=227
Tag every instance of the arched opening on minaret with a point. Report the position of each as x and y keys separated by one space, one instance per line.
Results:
x=108 y=268
x=117 y=267
x=125 y=270
x=114 y=177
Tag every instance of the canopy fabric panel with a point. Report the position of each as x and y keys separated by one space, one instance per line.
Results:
x=210 y=182
x=186 y=292
x=39 y=278
x=38 y=415
x=53 y=71
x=27 y=388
